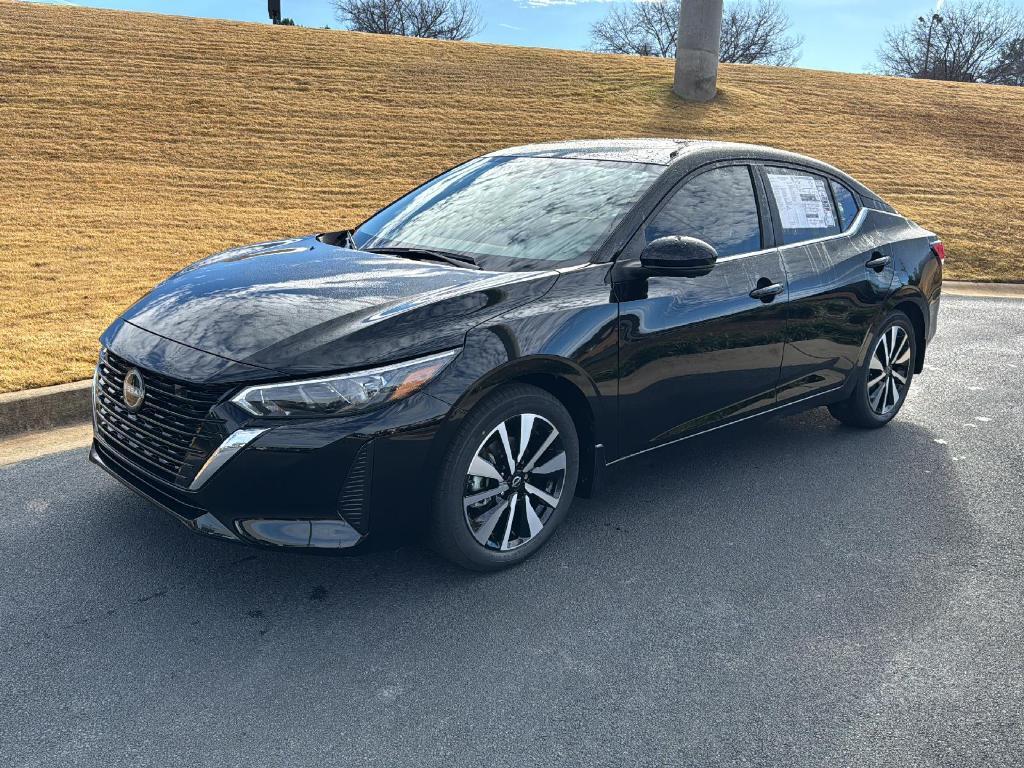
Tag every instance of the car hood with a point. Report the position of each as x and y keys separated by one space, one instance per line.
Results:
x=303 y=306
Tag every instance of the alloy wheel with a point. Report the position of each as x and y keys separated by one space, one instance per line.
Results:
x=889 y=370
x=514 y=482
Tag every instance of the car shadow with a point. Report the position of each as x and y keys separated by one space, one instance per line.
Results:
x=795 y=493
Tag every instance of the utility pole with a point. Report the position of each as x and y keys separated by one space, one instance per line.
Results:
x=698 y=44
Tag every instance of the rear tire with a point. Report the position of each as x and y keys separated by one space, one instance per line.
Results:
x=498 y=500
x=883 y=382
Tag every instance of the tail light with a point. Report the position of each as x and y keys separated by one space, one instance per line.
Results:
x=940 y=251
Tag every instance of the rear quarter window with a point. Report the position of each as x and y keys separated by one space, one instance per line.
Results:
x=846 y=203
x=804 y=205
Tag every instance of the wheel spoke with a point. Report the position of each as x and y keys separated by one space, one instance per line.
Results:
x=874 y=382
x=469 y=501
x=508 y=448
x=903 y=347
x=899 y=376
x=547 y=498
x=885 y=348
x=531 y=518
x=903 y=355
x=483 y=468
x=876 y=363
x=525 y=431
x=876 y=398
x=554 y=464
x=895 y=393
x=511 y=519
x=540 y=451
x=482 y=533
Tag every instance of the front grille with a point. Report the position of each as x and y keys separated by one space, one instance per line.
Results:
x=164 y=434
x=176 y=500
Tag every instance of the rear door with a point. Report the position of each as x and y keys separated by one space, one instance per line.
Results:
x=839 y=277
x=695 y=352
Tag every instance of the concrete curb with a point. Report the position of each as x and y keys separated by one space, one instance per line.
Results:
x=68 y=404
x=45 y=408
x=992 y=290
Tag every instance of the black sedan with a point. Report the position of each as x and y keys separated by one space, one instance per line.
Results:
x=470 y=358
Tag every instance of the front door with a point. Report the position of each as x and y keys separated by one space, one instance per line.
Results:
x=695 y=352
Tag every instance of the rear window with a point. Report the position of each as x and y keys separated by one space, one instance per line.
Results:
x=804 y=204
x=846 y=203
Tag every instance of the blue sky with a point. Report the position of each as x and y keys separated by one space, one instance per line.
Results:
x=840 y=34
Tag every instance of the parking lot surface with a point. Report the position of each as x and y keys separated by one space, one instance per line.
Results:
x=789 y=592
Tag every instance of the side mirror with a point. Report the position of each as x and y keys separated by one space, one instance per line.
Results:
x=678 y=257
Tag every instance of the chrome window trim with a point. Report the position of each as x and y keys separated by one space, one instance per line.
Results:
x=854 y=228
x=737 y=256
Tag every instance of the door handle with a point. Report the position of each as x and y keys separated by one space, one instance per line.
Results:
x=767 y=292
x=878 y=261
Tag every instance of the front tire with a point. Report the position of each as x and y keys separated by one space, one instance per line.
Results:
x=507 y=480
x=884 y=380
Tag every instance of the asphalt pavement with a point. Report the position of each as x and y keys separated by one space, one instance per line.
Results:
x=783 y=593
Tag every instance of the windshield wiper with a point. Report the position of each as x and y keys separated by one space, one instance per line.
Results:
x=425 y=253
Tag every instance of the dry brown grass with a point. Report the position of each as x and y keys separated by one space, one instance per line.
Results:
x=131 y=144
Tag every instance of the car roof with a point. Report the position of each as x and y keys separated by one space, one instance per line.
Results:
x=650 y=151
x=684 y=153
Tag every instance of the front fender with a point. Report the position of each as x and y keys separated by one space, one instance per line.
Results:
x=559 y=376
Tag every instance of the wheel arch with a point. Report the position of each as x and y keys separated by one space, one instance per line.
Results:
x=910 y=302
x=565 y=381
x=914 y=307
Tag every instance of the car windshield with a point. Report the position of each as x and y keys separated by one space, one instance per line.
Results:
x=507 y=211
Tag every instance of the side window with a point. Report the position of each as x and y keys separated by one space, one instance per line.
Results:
x=847 y=204
x=804 y=205
x=718 y=207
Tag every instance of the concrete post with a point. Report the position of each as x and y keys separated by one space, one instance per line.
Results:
x=697 y=46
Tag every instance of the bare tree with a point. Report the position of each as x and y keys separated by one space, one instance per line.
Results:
x=1009 y=69
x=752 y=33
x=643 y=29
x=965 y=42
x=759 y=34
x=438 y=19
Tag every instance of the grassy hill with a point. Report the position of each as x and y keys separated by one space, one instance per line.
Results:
x=133 y=144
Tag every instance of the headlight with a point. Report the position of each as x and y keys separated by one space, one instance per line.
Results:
x=346 y=393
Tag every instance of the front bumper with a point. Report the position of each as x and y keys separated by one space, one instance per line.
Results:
x=327 y=485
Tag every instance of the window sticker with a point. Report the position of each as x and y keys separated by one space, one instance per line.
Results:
x=803 y=202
